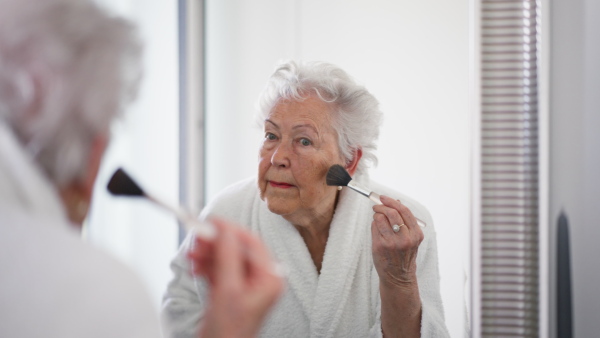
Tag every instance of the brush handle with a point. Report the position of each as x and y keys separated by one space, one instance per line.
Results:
x=203 y=230
x=373 y=196
x=206 y=231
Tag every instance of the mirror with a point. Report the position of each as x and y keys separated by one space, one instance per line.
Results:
x=412 y=56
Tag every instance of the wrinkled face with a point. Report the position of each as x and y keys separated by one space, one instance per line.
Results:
x=298 y=148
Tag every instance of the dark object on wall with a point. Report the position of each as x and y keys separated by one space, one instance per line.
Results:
x=564 y=314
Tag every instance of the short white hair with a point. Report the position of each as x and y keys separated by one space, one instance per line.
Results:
x=67 y=69
x=356 y=115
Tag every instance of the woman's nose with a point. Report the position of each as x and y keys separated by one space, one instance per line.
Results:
x=280 y=157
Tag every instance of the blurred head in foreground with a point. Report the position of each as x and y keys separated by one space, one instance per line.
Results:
x=67 y=69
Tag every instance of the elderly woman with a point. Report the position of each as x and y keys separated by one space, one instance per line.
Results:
x=67 y=69
x=349 y=273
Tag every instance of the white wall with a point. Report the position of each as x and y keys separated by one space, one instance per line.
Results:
x=145 y=143
x=575 y=151
x=412 y=55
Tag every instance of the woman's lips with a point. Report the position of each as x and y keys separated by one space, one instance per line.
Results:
x=280 y=185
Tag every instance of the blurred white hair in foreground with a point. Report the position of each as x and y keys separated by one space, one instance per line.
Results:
x=67 y=68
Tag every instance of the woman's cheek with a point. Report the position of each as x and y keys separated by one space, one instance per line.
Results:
x=261 y=181
x=264 y=163
x=264 y=156
x=314 y=171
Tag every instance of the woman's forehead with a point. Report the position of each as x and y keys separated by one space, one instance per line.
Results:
x=311 y=110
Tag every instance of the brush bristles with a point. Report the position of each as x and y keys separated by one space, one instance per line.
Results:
x=338 y=176
x=121 y=184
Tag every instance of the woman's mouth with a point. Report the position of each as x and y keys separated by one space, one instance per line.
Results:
x=280 y=185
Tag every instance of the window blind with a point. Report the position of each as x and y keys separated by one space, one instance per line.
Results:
x=509 y=263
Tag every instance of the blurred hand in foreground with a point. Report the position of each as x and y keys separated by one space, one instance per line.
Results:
x=242 y=280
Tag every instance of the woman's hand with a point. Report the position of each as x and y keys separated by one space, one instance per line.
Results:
x=242 y=281
x=395 y=253
x=395 y=259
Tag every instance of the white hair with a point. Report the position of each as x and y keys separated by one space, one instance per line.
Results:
x=355 y=112
x=67 y=69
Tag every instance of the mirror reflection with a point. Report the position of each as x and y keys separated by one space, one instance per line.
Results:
x=413 y=57
x=334 y=243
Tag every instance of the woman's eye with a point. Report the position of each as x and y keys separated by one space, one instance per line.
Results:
x=270 y=136
x=305 y=142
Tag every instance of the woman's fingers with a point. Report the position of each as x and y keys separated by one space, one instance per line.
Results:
x=229 y=262
x=262 y=278
x=392 y=216
x=259 y=259
x=396 y=211
x=201 y=258
x=394 y=253
x=234 y=255
x=244 y=286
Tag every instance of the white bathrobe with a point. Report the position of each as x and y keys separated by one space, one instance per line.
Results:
x=52 y=284
x=342 y=301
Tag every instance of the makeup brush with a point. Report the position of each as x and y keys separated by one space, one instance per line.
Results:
x=338 y=176
x=121 y=184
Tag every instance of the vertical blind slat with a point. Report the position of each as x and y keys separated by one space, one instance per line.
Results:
x=509 y=116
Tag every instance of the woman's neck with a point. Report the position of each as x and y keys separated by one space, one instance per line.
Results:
x=314 y=229
x=316 y=241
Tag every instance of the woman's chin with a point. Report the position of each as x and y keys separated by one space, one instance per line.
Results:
x=279 y=206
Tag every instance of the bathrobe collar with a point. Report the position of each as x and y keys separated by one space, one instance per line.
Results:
x=330 y=289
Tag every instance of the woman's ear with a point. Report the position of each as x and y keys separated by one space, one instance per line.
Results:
x=353 y=164
x=77 y=196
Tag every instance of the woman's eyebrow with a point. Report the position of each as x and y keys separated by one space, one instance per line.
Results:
x=307 y=125
x=271 y=122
